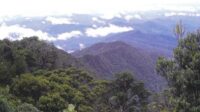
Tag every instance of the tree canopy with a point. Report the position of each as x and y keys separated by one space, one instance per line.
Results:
x=183 y=73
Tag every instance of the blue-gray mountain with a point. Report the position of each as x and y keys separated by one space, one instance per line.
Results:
x=150 y=29
x=107 y=59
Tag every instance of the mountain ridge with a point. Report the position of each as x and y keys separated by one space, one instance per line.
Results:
x=107 y=59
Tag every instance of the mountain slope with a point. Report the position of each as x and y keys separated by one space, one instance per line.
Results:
x=107 y=59
x=149 y=41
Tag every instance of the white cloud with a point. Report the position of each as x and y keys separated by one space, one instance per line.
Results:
x=81 y=46
x=109 y=16
x=59 y=47
x=104 y=31
x=16 y=32
x=43 y=22
x=54 y=20
x=107 y=7
x=69 y=35
x=70 y=51
x=181 y=14
x=137 y=16
x=130 y=17
x=94 y=26
x=95 y=19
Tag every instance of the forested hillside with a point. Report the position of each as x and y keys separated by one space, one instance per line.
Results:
x=29 y=55
x=36 y=76
x=49 y=87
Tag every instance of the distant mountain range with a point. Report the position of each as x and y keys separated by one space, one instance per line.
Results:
x=107 y=59
x=78 y=31
x=126 y=42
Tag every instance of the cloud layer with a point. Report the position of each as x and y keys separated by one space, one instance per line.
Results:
x=107 y=7
x=104 y=31
x=55 y=21
x=16 y=32
x=69 y=35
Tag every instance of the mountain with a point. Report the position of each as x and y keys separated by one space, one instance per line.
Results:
x=107 y=59
x=162 y=43
x=69 y=32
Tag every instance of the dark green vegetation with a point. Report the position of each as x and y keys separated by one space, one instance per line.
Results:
x=32 y=83
x=35 y=76
x=183 y=75
x=30 y=55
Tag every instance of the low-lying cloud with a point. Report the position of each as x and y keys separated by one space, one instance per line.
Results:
x=81 y=46
x=69 y=35
x=104 y=31
x=16 y=32
x=181 y=14
x=56 y=21
x=130 y=17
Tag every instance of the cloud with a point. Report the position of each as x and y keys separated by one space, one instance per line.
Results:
x=55 y=21
x=70 y=51
x=69 y=35
x=104 y=31
x=109 y=16
x=81 y=46
x=181 y=14
x=63 y=7
x=95 y=19
x=59 y=47
x=130 y=17
x=94 y=26
x=17 y=32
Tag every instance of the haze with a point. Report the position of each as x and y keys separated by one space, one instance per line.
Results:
x=106 y=7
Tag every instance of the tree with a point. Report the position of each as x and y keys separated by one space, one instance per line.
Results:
x=27 y=108
x=70 y=108
x=29 y=87
x=125 y=94
x=52 y=102
x=179 y=30
x=129 y=94
x=4 y=106
x=183 y=73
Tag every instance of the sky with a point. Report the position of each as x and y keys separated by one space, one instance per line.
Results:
x=106 y=7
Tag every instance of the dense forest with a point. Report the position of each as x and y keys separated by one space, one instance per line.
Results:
x=35 y=76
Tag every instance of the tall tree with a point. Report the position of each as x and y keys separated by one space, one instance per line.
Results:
x=183 y=73
x=126 y=94
x=179 y=30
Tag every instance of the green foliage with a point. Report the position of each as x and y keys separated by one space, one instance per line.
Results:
x=128 y=94
x=28 y=87
x=52 y=103
x=124 y=94
x=179 y=30
x=26 y=108
x=183 y=73
x=51 y=91
x=28 y=55
x=163 y=102
x=71 y=108
x=4 y=106
x=33 y=79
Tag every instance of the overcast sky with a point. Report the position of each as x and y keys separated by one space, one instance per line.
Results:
x=58 y=7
